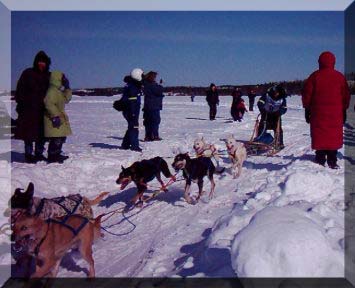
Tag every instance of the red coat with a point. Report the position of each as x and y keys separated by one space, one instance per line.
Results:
x=326 y=95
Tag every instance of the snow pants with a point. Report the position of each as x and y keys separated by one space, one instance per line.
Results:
x=130 y=140
x=151 y=122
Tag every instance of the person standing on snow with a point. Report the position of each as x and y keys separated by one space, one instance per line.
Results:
x=272 y=106
x=132 y=98
x=326 y=98
x=251 y=96
x=56 y=121
x=212 y=100
x=30 y=92
x=238 y=107
x=153 y=104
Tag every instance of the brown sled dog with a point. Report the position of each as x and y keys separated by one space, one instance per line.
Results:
x=49 y=241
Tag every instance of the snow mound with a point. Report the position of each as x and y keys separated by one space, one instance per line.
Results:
x=307 y=186
x=284 y=242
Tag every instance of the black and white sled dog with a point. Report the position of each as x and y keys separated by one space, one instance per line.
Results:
x=237 y=153
x=194 y=170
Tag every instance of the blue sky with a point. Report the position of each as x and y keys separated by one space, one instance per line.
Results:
x=96 y=49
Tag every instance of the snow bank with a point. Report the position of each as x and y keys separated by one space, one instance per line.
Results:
x=284 y=242
x=308 y=186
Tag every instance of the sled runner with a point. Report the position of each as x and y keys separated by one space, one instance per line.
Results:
x=265 y=143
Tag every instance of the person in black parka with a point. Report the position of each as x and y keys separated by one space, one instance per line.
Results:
x=30 y=92
x=153 y=104
x=132 y=98
x=212 y=100
x=251 y=96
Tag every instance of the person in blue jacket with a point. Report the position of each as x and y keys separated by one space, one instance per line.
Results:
x=272 y=106
x=132 y=98
x=153 y=104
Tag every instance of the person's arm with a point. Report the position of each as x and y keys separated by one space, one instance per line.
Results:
x=20 y=89
x=261 y=104
x=307 y=92
x=67 y=95
x=157 y=90
x=132 y=101
x=50 y=104
x=283 y=108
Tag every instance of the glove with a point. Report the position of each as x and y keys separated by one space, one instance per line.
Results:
x=344 y=116
x=65 y=82
x=56 y=122
x=161 y=81
x=307 y=115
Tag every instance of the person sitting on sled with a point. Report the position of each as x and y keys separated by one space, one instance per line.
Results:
x=238 y=107
x=272 y=106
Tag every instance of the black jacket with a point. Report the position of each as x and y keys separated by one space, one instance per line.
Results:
x=153 y=96
x=30 y=92
x=212 y=97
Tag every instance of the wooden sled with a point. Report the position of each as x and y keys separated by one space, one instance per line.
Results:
x=259 y=148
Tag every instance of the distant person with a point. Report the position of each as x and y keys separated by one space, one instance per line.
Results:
x=212 y=99
x=30 y=92
x=326 y=98
x=192 y=97
x=56 y=121
x=272 y=106
x=251 y=96
x=132 y=97
x=238 y=107
x=153 y=104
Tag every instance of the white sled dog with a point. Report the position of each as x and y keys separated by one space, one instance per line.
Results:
x=237 y=153
x=203 y=149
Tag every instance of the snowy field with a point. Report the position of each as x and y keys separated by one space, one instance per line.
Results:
x=284 y=217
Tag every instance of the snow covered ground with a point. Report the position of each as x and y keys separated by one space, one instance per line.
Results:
x=284 y=217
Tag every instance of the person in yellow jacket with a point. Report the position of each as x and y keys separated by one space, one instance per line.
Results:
x=56 y=121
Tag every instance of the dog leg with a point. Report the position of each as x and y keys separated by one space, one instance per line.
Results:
x=240 y=167
x=86 y=252
x=213 y=185
x=200 y=189
x=158 y=176
x=55 y=269
x=165 y=169
x=43 y=270
x=186 y=194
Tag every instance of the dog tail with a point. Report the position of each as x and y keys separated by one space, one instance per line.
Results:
x=98 y=199
x=97 y=227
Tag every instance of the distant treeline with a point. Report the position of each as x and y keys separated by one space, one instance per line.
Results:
x=292 y=88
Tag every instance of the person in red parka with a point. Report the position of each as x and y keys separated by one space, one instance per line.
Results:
x=326 y=98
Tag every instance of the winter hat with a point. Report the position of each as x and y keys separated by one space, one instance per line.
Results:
x=41 y=56
x=326 y=60
x=150 y=76
x=137 y=74
x=212 y=85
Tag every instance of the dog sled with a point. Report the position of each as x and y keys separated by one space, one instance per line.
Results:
x=265 y=143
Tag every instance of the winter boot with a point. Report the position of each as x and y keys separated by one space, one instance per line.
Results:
x=57 y=158
x=30 y=159
x=320 y=157
x=40 y=158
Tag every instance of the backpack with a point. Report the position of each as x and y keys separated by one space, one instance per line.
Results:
x=120 y=105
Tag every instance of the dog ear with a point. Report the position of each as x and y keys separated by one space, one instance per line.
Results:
x=30 y=190
x=122 y=168
x=18 y=191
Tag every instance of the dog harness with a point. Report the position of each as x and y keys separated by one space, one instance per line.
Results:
x=70 y=205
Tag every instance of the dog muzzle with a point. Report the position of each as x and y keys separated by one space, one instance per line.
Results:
x=124 y=183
